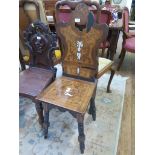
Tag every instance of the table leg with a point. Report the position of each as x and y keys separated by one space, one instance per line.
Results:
x=81 y=137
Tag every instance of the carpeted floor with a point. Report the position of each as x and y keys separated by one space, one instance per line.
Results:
x=101 y=135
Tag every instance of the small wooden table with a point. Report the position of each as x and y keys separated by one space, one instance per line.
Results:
x=72 y=95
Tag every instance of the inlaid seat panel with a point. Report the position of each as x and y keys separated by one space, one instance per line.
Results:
x=69 y=93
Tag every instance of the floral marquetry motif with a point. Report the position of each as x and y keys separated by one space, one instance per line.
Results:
x=80 y=57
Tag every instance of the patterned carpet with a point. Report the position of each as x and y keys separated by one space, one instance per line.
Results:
x=101 y=135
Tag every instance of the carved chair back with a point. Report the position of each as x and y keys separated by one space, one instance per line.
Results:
x=63 y=12
x=64 y=9
x=41 y=44
x=80 y=56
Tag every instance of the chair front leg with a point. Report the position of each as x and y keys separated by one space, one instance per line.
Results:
x=46 y=119
x=123 y=52
x=109 y=82
x=81 y=137
x=39 y=110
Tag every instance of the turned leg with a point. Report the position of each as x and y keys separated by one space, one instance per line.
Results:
x=92 y=109
x=46 y=119
x=81 y=137
x=109 y=82
x=39 y=110
x=123 y=52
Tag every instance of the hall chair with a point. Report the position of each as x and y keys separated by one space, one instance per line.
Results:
x=128 y=44
x=41 y=72
x=75 y=91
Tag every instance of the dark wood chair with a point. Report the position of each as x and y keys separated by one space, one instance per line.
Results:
x=76 y=89
x=41 y=72
x=128 y=43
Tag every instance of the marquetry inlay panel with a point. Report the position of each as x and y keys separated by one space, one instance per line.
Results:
x=69 y=93
x=88 y=60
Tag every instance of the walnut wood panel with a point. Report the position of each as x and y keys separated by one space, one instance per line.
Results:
x=88 y=64
x=79 y=98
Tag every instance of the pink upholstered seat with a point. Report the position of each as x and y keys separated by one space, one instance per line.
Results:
x=130 y=44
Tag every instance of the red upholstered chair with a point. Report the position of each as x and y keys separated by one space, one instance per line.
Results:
x=104 y=18
x=128 y=38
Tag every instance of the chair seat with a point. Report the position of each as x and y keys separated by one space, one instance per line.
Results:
x=68 y=93
x=104 y=65
x=33 y=80
x=105 y=45
x=130 y=44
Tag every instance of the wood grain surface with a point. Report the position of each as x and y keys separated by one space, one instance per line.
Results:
x=79 y=95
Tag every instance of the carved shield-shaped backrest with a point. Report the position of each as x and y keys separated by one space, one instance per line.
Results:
x=80 y=57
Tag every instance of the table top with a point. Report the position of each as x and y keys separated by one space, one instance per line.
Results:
x=68 y=93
